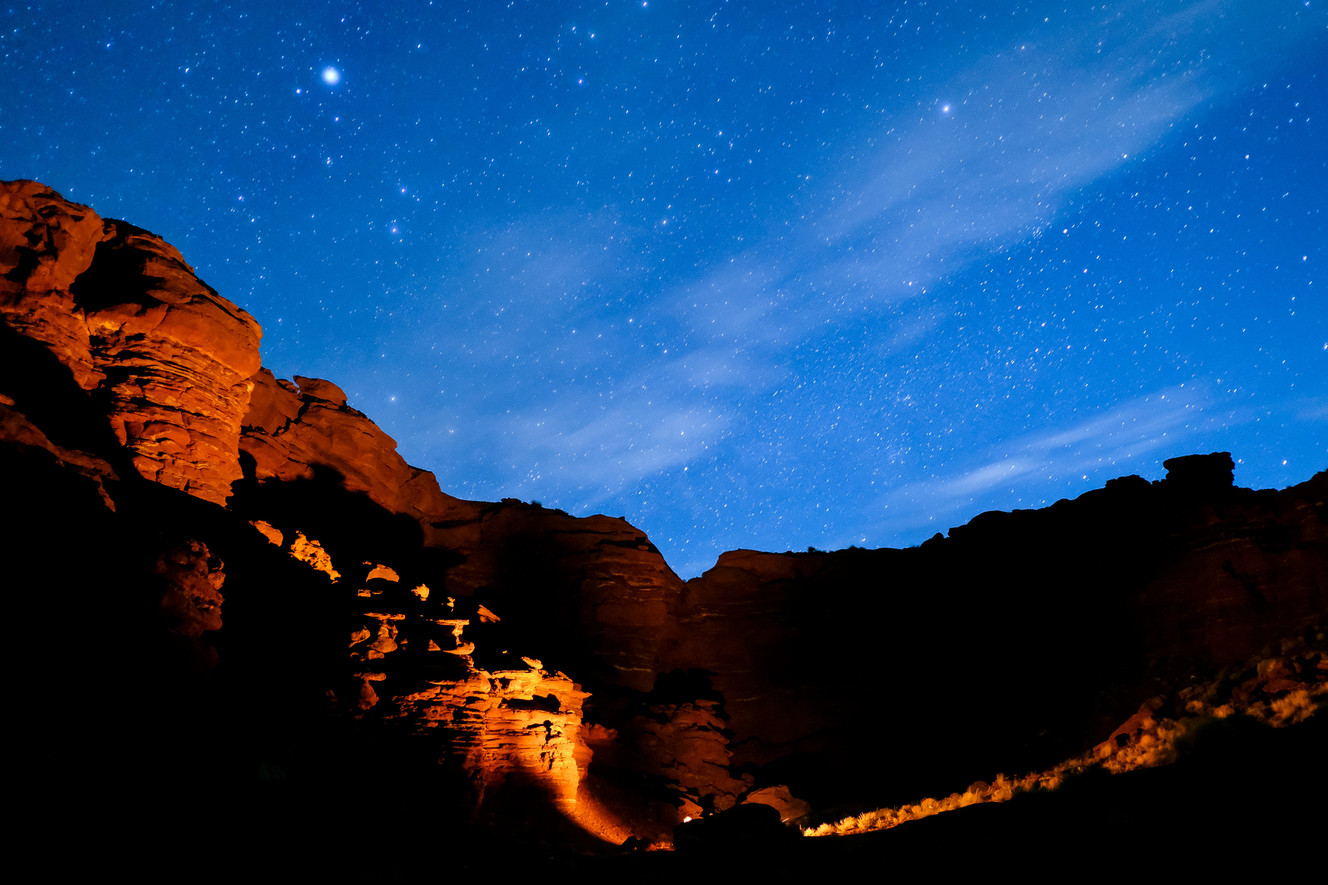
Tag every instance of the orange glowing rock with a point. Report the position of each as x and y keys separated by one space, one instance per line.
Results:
x=382 y=572
x=311 y=552
x=288 y=429
x=780 y=799
x=123 y=311
x=267 y=530
x=506 y=726
x=1278 y=692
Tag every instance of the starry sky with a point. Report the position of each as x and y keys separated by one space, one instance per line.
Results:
x=770 y=275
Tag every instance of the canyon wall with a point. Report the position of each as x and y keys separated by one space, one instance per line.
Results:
x=302 y=607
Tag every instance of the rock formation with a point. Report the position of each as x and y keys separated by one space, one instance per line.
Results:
x=291 y=428
x=280 y=607
x=169 y=359
x=518 y=723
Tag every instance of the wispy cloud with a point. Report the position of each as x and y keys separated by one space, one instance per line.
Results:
x=987 y=160
x=619 y=446
x=1311 y=409
x=1117 y=440
x=1025 y=127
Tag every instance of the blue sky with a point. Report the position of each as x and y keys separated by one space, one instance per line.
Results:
x=751 y=275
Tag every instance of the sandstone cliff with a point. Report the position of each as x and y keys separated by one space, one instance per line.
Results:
x=276 y=605
x=166 y=356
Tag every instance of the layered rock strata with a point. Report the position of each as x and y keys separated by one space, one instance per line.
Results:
x=292 y=429
x=168 y=357
x=514 y=725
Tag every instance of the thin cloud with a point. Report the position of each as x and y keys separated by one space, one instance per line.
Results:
x=1313 y=409
x=944 y=192
x=1123 y=436
x=714 y=368
x=1029 y=125
x=596 y=459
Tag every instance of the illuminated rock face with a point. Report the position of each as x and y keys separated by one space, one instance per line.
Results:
x=291 y=428
x=514 y=725
x=169 y=358
x=46 y=242
x=504 y=728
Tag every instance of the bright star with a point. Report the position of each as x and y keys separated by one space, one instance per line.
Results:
x=331 y=76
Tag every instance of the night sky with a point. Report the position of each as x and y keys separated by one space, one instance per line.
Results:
x=768 y=275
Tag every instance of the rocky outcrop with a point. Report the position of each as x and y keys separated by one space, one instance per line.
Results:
x=46 y=242
x=517 y=725
x=596 y=578
x=169 y=359
x=1205 y=476
x=192 y=601
x=292 y=429
x=679 y=741
x=177 y=359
